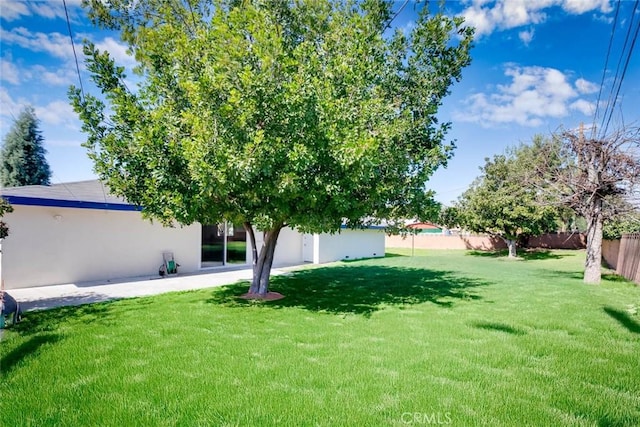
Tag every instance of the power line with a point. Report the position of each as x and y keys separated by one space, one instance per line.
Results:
x=606 y=65
x=75 y=56
x=73 y=46
x=624 y=71
x=65 y=187
x=396 y=14
x=618 y=78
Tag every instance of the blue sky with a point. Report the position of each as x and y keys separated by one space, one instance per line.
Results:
x=537 y=66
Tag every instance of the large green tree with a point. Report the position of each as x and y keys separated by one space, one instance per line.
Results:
x=499 y=202
x=272 y=113
x=23 y=156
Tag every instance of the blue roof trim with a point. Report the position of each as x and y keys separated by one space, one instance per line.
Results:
x=38 y=201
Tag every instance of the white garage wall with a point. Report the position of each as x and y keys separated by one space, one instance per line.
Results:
x=288 y=248
x=350 y=244
x=50 y=245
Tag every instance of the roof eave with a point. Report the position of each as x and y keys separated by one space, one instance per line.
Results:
x=78 y=204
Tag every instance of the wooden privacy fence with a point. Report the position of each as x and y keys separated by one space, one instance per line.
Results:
x=628 y=264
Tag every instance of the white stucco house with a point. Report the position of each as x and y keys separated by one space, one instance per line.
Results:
x=77 y=232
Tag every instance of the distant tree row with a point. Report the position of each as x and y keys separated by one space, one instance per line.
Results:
x=544 y=186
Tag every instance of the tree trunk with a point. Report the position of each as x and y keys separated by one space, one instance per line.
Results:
x=593 y=262
x=254 y=255
x=263 y=261
x=511 y=244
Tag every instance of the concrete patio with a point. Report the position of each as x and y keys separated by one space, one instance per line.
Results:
x=45 y=297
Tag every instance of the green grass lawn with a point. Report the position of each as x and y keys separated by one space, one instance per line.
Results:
x=442 y=337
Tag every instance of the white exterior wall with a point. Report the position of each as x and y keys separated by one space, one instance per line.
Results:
x=349 y=244
x=322 y=248
x=51 y=245
x=288 y=247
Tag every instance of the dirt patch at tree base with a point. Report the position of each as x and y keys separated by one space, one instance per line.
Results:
x=269 y=296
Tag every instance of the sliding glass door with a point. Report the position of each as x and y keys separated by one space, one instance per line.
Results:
x=223 y=243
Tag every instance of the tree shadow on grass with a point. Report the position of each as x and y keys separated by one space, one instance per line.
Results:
x=612 y=277
x=49 y=320
x=393 y=255
x=540 y=254
x=358 y=289
x=500 y=327
x=527 y=255
x=560 y=274
x=624 y=319
x=579 y=275
x=487 y=254
x=42 y=327
x=25 y=350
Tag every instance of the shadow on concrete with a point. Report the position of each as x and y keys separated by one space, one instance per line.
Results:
x=358 y=289
x=65 y=301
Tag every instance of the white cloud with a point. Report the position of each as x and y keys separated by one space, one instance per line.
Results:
x=59 y=45
x=117 y=50
x=16 y=9
x=12 y=10
x=58 y=113
x=8 y=71
x=55 y=44
x=603 y=18
x=408 y=27
x=62 y=76
x=585 y=86
x=526 y=36
x=488 y=16
x=585 y=107
x=581 y=6
x=533 y=95
x=9 y=111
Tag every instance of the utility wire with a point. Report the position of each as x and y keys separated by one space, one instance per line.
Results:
x=65 y=187
x=618 y=78
x=624 y=71
x=73 y=46
x=604 y=70
x=75 y=56
x=396 y=14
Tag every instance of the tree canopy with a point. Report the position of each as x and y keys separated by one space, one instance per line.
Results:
x=272 y=114
x=5 y=207
x=594 y=177
x=498 y=202
x=23 y=156
x=615 y=227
